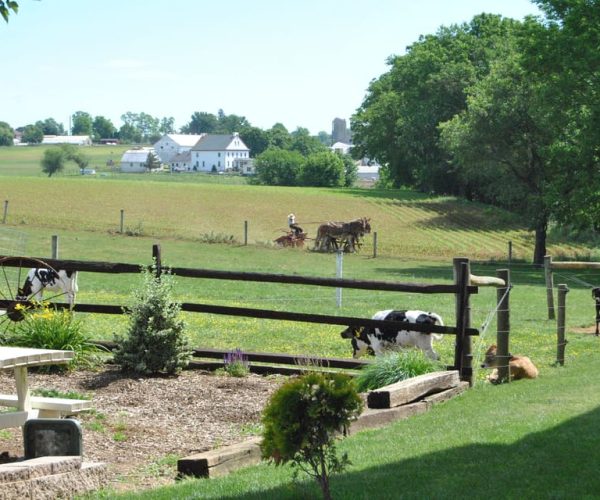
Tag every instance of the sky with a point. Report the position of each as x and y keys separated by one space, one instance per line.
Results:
x=301 y=63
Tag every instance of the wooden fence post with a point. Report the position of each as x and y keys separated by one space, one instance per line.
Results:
x=374 y=244
x=561 y=342
x=5 y=211
x=549 y=285
x=463 y=351
x=245 y=232
x=510 y=253
x=55 y=246
x=122 y=220
x=156 y=258
x=503 y=324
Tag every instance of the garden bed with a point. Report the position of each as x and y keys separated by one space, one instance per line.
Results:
x=140 y=426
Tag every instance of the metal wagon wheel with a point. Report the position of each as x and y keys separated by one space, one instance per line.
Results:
x=13 y=271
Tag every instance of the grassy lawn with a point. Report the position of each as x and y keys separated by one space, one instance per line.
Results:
x=528 y=439
x=504 y=435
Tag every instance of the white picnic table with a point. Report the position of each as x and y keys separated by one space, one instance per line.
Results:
x=20 y=359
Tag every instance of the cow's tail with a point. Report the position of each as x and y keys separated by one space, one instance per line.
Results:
x=438 y=321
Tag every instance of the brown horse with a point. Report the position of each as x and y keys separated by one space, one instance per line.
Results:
x=332 y=235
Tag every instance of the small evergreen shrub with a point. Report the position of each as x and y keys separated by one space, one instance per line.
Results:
x=155 y=341
x=43 y=327
x=302 y=419
x=236 y=363
x=393 y=367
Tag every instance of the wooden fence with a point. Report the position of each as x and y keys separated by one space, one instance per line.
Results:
x=461 y=289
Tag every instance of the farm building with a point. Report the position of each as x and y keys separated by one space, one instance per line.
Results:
x=341 y=148
x=217 y=153
x=134 y=160
x=171 y=145
x=181 y=162
x=75 y=140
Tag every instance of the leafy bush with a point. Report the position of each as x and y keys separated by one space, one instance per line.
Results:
x=155 y=341
x=212 y=238
x=236 y=363
x=393 y=367
x=45 y=328
x=301 y=420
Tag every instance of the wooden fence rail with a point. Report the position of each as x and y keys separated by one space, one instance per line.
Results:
x=461 y=289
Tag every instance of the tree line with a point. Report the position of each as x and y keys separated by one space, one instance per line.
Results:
x=499 y=111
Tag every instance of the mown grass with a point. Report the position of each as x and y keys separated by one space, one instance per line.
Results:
x=528 y=439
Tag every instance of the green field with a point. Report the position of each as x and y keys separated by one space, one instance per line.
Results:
x=417 y=238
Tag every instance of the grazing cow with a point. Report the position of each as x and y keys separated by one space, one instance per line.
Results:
x=40 y=279
x=368 y=340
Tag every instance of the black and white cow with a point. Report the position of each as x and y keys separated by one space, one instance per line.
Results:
x=40 y=279
x=368 y=340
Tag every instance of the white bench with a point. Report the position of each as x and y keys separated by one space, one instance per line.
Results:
x=50 y=407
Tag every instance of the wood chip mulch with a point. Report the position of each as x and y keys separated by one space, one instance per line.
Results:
x=140 y=426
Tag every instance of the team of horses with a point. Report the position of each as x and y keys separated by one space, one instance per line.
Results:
x=332 y=236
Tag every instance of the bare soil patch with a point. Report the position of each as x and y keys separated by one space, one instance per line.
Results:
x=140 y=426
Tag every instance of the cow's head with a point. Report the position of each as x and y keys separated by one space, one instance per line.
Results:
x=359 y=339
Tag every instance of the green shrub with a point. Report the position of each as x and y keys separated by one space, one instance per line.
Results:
x=393 y=367
x=301 y=420
x=43 y=327
x=155 y=341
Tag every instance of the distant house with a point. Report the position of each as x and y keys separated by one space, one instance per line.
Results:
x=218 y=153
x=75 y=140
x=171 y=145
x=181 y=162
x=341 y=148
x=134 y=160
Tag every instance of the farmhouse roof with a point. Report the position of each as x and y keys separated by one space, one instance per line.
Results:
x=187 y=140
x=136 y=155
x=218 y=142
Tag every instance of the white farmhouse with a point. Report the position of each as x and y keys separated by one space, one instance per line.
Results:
x=181 y=162
x=218 y=153
x=134 y=160
x=171 y=145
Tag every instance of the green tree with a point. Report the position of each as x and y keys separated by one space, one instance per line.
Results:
x=32 y=134
x=82 y=123
x=6 y=6
x=325 y=169
x=256 y=139
x=103 y=128
x=53 y=161
x=304 y=143
x=279 y=137
x=167 y=125
x=7 y=134
x=278 y=167
x=228 y=124
x=201 y=123
x=500 y=145
x=50 y=126
x=350 y=170
x=76 y=155
x=130 y=134
x=397 y=123
x=152 y=162
x=302 y=419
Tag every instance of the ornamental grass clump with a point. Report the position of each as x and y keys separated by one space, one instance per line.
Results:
x=303 y=418
x=43 y=327
x=236 y=363
x=155 y=341
x=393 y=367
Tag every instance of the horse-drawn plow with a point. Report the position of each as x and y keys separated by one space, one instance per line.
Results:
x=331 y=236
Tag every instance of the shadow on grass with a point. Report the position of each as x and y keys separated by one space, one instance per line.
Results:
x=558 y=463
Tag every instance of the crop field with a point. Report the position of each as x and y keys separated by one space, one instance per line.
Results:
x=190 y=216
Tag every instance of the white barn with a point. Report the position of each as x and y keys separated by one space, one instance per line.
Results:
x=76 y=140
x=134 y=160
x=218 y=153
x=171 y=145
